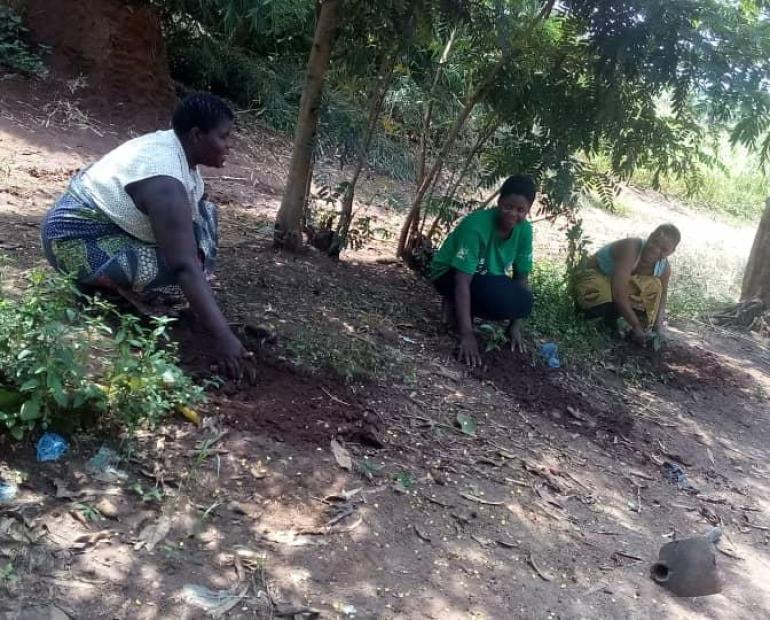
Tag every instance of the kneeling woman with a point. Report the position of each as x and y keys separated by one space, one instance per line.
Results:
x=629 y=278
x=473 y=268
x=137 y=220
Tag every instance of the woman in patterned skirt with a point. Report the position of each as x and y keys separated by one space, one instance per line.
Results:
x=137 y=220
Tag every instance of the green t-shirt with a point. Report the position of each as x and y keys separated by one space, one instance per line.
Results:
x=475 y=246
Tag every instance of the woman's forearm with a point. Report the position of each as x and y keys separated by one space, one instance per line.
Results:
x=463 y=305
x=202 y=302
x=623 y=305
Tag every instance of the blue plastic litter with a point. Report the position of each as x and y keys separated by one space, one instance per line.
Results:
x=675 y=474
x=8 y=491
x=549 y=352
x=103 y=466
x=50 y=447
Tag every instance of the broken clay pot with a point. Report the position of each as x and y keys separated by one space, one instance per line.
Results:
x=689 y=567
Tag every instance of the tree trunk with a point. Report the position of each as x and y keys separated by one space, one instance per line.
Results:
x=756 y=279
x=484 y=135
x=471 y=102
x=459 y=123
x=490 y=198
x=288 y=232
x=428 y=114
x=377 y=100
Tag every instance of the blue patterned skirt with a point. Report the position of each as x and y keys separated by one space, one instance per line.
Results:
x=80 y=240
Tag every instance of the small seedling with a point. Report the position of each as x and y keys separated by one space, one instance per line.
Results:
x=368 y=468
x=495 y=336
x=8 y=573
x=404 y=481
x=89 y=512
x=151 y=495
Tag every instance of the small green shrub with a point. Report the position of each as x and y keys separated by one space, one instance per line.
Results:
x=15 y=54
x=554 y=317
x=60 y=359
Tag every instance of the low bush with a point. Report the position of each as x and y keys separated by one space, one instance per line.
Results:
x=64 y=357
x=15 y=54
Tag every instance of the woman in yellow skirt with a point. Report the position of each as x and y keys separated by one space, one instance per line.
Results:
x=629 y=278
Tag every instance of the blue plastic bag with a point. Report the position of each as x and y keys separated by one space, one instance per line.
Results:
x=8 y=491
x=50 y=447
x=549 y=353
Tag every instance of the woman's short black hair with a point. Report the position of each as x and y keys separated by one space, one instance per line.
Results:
x=200 y=110
x=669 y=231
x=520 y=185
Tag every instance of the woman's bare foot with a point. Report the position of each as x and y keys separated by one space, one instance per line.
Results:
x=144 y=308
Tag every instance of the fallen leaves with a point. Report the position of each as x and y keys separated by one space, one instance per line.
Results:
x=153 y=533
x=466 y=424
x=341 y=455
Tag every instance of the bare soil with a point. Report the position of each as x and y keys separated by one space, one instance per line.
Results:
x=554 y=506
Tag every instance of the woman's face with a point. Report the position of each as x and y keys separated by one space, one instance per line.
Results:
x=514 y=209
x=659 y=247
x=212 y=147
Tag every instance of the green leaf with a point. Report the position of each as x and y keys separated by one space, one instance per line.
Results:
x=30 y=410
x=29 y=385
x=169 y=377
x=17 y=432
x=24 y=353
x=466 y=424
x=10 y=399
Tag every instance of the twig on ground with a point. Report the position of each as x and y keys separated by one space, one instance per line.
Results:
x=339 y=401
x=537 y=569
x=479 y=500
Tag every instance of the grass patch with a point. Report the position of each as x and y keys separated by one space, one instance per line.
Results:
x=702 y=280
x=737 y=189
x=342 y=352
x=620 y=207
x=555 y=319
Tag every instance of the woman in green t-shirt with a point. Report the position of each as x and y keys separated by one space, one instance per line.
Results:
x=482 y=269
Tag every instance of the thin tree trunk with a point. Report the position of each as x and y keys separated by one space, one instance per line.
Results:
x=482 y=139
x=377 y=100
x=459 y=123
x=428 y=113
x=490 y=199
x=545 y=12
x=471 y=102
x=756 y=278
x=288 y=233
x=306 y=194
x=417 y=228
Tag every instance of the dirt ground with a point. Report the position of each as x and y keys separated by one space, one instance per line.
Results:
x=553 y=506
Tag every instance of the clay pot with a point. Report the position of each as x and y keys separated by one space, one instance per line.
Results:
x=689 y=567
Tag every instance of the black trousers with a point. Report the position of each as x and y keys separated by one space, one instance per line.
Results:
x=493 y=298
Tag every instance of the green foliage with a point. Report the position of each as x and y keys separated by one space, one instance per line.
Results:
x=643 y=84
x=494 y=336
x=15 y=54
x=347 y=356
x=554 y=317
x=324 y=211
x=62 y=358
x=736 y=187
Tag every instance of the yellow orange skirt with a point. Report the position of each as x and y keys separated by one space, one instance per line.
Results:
x=592 y=288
